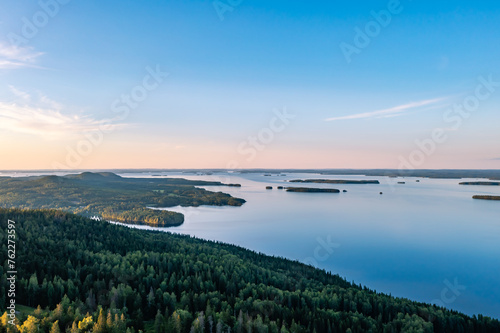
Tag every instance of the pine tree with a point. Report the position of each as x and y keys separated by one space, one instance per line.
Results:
x=100 y=326
x=32 y=288
x=55 y=327
x=109 y=320
x=159 y=323
x=122 y=323
x=74 y=328
x=283 y=329
x=177 y=322
x=38 y=313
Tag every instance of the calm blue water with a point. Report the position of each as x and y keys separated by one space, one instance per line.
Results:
x=427 y=241
x=406 y=242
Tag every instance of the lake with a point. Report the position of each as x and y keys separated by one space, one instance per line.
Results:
x=428 y=241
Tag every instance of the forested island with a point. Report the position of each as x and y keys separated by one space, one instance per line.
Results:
x=111 y=197
x=334 y=181
x=312 y=190
x=486 y=197
x=81 y=275
x=481 y=183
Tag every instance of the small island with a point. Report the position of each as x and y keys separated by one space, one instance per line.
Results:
x=312 y=190
x=481 y=183
x=334 y=181
x=486 y=197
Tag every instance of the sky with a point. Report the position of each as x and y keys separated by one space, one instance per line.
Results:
x=249 y=84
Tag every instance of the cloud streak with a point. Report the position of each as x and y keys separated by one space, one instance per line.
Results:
x=43 y=117
x=13 y=57
x=391 y=112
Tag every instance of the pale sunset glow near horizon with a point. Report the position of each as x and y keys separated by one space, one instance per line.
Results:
x=258 y=84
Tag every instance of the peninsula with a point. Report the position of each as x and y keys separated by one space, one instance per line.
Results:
x=111 y=197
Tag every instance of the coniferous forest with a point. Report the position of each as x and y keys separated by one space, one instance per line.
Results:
x=81 y=275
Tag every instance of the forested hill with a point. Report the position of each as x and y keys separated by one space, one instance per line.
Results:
x=112 y=197
x=93 y=276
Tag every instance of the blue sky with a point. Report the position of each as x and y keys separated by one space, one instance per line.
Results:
x=233 y=66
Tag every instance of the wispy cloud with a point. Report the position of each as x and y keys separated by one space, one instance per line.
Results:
x=43 y=117
x=391 y=112
x=12 y=56
x=20 y=94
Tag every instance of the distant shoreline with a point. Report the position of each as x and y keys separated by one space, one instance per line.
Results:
x=492 y=174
